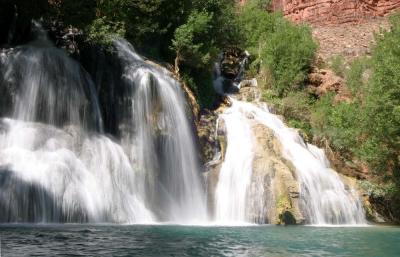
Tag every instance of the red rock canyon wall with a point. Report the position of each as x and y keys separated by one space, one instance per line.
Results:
x=334 y=11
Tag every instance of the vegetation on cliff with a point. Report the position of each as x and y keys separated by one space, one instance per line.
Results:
x=368 y=126
x=284 y=49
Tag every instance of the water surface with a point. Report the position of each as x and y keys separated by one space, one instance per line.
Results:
x=88 y=240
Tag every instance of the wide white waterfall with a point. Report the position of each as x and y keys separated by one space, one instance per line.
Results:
x=56 y=165
x=236 y=170
x=160 y=140
x=324 y=197
x=49 y=174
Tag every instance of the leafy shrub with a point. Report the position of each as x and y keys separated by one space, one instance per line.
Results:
x=288 y=53
x=188 y=40
x=102 y=31
x=381 y=103
x=284 y=48
x=297 y=107
x=355 y=77
x=200 y=82
x=337 y=64
x=378 y=191
x=337 y=122
x=210 y=26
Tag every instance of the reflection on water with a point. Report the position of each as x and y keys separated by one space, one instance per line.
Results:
x=77 y=240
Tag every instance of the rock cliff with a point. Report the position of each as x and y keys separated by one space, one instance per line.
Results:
x=334 y=11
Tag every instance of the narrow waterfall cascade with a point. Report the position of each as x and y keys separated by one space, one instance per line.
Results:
x=324 y=198
x=158 y=137
x=236 y=170
x=54 y=165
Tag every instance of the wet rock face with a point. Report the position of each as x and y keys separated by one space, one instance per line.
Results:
x=334 y=11
x=280 y=187
x=7 y=88
x=231 y=62
x=65 y=37
x=206 y=133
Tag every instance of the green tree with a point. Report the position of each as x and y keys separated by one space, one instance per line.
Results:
x=382 y=103
x=189 y=43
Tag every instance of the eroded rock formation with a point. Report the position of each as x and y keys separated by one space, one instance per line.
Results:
x=334 y=11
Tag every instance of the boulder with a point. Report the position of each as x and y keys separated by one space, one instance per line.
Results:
x=281 y=189
x=323 y=81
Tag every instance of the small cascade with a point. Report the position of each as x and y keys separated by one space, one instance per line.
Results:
x=326 y=200
x=236 y=170
x=324 y=197
x=158 y=137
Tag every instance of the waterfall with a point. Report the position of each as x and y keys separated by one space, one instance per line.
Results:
x=50 y=87
x=122 y=150
x=236 y=170
x=159 y=139
x=64 y=175
x=59 y=163
x=54 y=164
x=324 y=197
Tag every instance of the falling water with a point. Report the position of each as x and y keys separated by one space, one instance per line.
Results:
x=54 y=167
x=63 y=175
x=159 y=139
x=50 y=87
x=236 y=171
x=324 y=196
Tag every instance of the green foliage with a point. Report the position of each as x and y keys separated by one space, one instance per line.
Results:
x=188 y=40
x=210 y=26
x=379 y=191
x=225 y=28
x=335 y=121
x=369 y=125
x=102 y=31
x=296 y=107
x=76 y=13
x=288 y=54
x=286 y=49
x=337 y=64
x=355 y=77
x=257 y=25
x=151 y=24
x=200 y=82
x=381 y=103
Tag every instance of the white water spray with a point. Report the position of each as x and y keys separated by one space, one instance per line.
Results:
x=325 y=199
x=161 y=142
x=236 y=171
